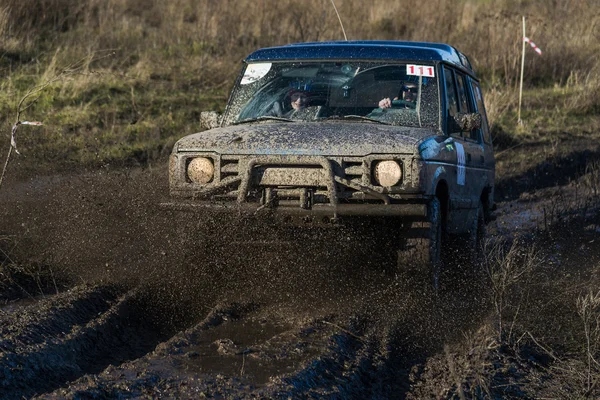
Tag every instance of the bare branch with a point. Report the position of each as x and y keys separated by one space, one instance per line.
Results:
x=74 y=68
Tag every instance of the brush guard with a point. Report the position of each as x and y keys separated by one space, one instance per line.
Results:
x=305 y=203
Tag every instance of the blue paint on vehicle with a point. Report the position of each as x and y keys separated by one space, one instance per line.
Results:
x=364 y=50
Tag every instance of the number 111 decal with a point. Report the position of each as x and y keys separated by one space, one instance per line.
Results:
x=420 y=70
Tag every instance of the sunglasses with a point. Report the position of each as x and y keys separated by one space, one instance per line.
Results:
x=409 y=89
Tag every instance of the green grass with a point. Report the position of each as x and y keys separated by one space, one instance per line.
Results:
x=549 y=114
x=104 y=119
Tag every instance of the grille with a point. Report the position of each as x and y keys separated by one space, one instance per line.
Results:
x=353 y=170
x=229 y=167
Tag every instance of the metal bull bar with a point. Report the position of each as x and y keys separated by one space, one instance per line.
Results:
x=412 y=209
x=330 y=180
x=290 y=160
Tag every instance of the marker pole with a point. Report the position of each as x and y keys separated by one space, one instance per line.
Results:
x=519 y=121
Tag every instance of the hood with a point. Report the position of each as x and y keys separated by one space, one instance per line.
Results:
x=314 y=138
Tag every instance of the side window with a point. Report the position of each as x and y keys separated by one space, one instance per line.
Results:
x=481 y=110
x=451 y=103
x=462 y=93
x=466 y=104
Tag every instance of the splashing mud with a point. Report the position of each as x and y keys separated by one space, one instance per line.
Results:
x=118 y=297
x=260 y=308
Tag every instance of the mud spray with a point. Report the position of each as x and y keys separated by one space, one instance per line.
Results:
x=252 y=290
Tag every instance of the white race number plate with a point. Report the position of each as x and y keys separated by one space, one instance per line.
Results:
x=420 y=70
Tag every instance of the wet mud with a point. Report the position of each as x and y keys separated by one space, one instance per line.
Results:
x=62 y=337
x=104 y=294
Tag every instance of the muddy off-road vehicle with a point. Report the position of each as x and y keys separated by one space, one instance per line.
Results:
x=340 y=130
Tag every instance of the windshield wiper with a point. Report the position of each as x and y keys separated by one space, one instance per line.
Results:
x=359 y=117
x=263 y=118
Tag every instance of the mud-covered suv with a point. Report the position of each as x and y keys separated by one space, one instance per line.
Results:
x=347 y=129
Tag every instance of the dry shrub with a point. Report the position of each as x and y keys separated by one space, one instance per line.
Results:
x=18 y=280
x=576 y=375
x=588 y=308
x=591 y=178
x=582 y=92
x=29 y=17
x=577 y=201
x=510 y=269
x=497 y=102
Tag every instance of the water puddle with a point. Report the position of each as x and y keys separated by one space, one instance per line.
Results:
x=232 y=349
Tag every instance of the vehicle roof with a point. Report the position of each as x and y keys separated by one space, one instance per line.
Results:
x=364 y=50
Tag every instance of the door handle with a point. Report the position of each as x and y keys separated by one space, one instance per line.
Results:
x=468 y=157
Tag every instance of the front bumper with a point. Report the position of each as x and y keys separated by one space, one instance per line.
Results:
x=300 y=185
x=408 y=210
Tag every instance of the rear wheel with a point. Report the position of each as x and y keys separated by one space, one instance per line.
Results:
x=421 y=255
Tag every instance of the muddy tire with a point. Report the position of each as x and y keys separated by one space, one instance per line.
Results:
x=421 y=256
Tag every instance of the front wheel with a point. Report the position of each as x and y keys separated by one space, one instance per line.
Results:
x=422 y=254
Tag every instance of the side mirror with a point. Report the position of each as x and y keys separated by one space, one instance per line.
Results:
x=468 y=121
x=210 y=119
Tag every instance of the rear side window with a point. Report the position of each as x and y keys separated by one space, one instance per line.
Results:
x=462 y=93
x=466 y=104
x=451 y=102
x=481 y=110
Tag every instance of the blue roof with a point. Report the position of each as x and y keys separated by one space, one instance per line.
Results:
x=364 y=50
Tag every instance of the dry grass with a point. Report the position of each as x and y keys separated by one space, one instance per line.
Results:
x=582 y=92
x=510 y=272
x=205 y=30
x=543 y=338
x=184 y=55
x=588 y=308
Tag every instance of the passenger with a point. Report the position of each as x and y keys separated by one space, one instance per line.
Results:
x=408 y=93
x=298 y=100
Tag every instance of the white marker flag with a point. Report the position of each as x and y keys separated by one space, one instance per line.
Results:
x=537 y=49
x=13 y=141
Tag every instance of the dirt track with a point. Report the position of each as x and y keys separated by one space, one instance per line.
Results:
x=143 y=302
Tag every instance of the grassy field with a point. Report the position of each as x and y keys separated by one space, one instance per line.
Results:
x=136 y=74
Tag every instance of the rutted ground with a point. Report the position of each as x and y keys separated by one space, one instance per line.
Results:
x=60 y=338
x=167 y=310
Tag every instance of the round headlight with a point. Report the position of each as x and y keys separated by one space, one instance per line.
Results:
x=200 y=170
x=387 y=173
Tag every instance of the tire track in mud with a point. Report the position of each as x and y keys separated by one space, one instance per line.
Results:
x=242 y=350
x=346 y=370
x=63 y=337
x=33 y=325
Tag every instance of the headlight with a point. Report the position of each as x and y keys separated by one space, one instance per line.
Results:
x=200 y=170
x=387 y=173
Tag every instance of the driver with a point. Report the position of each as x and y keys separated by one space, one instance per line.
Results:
x=298 y=101
x=408 y=93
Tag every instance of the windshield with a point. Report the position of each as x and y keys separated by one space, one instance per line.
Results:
x=396 y=94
